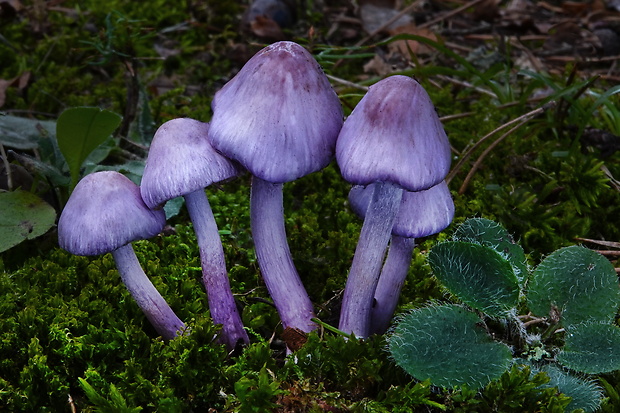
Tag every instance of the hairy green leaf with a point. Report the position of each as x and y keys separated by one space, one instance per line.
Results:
x=477 y=275
x=576 y=283
x=592 y=348
x=491 y=234
x=448 y=345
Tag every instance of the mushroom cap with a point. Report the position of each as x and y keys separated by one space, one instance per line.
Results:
x=421 y=213
x=394 y=135
x=279 y=116
x=105 y=212
x=180 y=161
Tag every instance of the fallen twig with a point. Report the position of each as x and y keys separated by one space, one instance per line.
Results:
x=520 y=120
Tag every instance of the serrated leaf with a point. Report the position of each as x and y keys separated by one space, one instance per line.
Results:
x=24 y=216
x=448 y=345
x=80 y=130
x=491 y=234
x=592 y=348
x=578 y=283
x=478 y=275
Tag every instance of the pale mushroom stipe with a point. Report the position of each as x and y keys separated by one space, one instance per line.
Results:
x=420 y=214
x=181 y=162
x=395 y=139
x=279 y=117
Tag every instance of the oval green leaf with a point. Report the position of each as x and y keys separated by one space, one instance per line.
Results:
x=491 y=234
x=448 y=345
x=592 y=348
x=80 y=130
x=478 y=275
x=577 y=283
x=24 y=216
x=585 y=393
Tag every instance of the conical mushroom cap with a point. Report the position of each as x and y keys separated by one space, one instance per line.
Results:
x=181 y=160
x=394 y=135
x=421 y=213
x=105 y=212
x=279 y=116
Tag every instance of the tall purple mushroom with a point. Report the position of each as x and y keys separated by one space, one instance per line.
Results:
x=392 y=138
x=420 y=214
x=105 y=213
x=279 y=117
x=182 y=162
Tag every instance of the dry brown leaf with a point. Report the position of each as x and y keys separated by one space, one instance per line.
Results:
x=375 y=17
x=10 y=7
x=405 y=47
x=378 y=66
x=266 y=28
x=574 y=8
x=487 y=10
x=20 y=82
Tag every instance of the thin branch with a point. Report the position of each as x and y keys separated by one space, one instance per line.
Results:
x=483 y=155
x=450 y=13
x=347 y=83
x=7 y=168
x=470 y=151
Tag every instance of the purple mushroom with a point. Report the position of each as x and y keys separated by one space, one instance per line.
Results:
x=182 y=162
x=392 y=138
x=420 y=214
x=279 y=117
x=105 y=213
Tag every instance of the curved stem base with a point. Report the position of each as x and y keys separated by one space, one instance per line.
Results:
x=274 y=257
x=150 y=301
x=390 y=283
x=363 y=277
x=214 y=274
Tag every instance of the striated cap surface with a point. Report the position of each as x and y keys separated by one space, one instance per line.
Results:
x=421 y=213
x=105 y=212
x=394 y=135
x=180 y=161
x=279 y=116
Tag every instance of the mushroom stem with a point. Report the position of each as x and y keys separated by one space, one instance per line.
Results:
x=391 y=281
x=150 y=301
x=363 y=277
x=274 y=256
x=214 y=274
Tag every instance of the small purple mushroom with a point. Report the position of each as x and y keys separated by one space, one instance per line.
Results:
x=182 y=162
x=420 y=214
x=392 y=138
x=105 y=213
x=279 y=117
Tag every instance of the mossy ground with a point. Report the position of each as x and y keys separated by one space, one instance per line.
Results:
x=65 y=318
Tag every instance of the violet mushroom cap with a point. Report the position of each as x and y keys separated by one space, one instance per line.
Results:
x=105 y=213
x=393 y=137
x=182 y=162
x=420 y=214
x=279 y=117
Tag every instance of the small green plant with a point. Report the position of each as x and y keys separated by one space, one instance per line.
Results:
x=569 y=301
